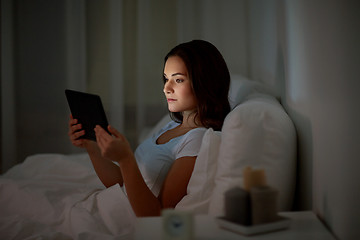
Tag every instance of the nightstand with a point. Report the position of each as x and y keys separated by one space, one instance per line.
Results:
x=304 y=225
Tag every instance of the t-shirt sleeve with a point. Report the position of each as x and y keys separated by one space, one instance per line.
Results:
x=190 y=144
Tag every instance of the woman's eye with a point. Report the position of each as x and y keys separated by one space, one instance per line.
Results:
x=179 y=80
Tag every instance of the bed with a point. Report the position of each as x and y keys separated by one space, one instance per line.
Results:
x=56 y=196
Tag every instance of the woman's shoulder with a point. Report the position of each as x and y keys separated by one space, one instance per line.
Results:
x=196 y=132
x=169 y=125
x=193 y=136
x=190 y=143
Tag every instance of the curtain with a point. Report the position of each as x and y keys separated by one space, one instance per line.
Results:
x=114 y=48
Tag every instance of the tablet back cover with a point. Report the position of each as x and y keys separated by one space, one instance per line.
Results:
x=89 y=111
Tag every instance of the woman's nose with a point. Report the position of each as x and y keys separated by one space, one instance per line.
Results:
x=167 y=87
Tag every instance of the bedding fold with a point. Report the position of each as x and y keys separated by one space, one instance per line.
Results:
x=54 y=196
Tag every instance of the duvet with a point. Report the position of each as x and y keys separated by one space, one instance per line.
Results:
x=53 y=196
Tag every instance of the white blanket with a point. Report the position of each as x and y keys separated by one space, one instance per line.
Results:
x=52 y=196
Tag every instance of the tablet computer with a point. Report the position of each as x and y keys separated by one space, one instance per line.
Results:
x=88 y=110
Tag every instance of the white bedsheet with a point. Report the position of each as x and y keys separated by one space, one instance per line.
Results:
x=53 y=196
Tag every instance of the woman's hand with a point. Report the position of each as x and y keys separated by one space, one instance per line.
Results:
x=115 y=147
x=75 y=132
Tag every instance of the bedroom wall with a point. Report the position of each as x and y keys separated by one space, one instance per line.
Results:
x=267 y=61
x=8 y=147
x=309 y=51
x=224 y=25
x=37 y=65
x=323 y=83
x=155 y=29
x=50 y=46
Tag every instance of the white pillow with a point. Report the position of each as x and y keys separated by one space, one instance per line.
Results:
x=241 y=87
x=201 y=183
x=257 y=133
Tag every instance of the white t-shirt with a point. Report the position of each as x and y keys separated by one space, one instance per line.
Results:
x=154 y=160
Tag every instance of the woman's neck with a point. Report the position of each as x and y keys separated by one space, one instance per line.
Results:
x=190 y=120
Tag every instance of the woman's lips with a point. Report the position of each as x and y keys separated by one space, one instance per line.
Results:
x=171 y=100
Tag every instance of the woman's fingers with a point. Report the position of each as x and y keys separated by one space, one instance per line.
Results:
x=78 y=134
x=114 y=132
x=78 y=143
x=75 y=132
x=72 y=124
x=101 y=136
x=75 y=129
x=102 y=133
x=107 y=143
x=72 y=121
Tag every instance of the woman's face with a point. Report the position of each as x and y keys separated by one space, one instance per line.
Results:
x=177 y=87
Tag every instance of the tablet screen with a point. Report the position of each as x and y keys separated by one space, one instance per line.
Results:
x=88 y=110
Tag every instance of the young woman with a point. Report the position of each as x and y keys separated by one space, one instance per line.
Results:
x=196 y=85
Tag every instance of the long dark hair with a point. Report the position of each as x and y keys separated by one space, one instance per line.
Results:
x=210 y=80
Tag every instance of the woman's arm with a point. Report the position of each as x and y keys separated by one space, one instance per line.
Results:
x=142 y=200
x=117 y=148
x=108 y=172
x=176 y=182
